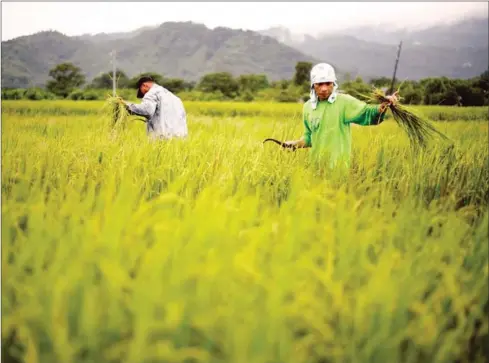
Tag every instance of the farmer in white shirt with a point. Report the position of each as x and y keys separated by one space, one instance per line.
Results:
x=164 y=112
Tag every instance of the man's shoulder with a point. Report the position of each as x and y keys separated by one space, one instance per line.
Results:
x=167 y=97
x=156 y=89
x=152 y=93
x=159 y=92
x=344 y=97
x=164 y=91
x=346 y=100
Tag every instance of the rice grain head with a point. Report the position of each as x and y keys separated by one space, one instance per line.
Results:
x=116 y=112
x=417 y=129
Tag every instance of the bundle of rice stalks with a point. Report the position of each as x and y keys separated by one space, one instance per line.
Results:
x=117 y=111
x=417 y=129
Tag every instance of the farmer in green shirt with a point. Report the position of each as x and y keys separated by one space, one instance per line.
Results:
x=327 y=117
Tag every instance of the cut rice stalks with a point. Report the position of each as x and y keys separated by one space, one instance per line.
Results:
x=116 y=111
x=417 y=129
x=117 y=115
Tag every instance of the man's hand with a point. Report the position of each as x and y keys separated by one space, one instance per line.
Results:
x=290 y=144
x=120 y=99
x=296 y=144
x=123 y=102
x=392 y=100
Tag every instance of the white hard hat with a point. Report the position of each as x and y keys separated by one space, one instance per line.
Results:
x=322 y=72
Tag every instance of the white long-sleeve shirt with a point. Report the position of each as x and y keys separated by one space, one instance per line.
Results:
x=164 y=112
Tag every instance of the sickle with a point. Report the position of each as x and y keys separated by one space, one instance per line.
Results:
x=283 y=144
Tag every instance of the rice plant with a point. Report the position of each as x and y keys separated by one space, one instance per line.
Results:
x=220 y=248
x=416 y=128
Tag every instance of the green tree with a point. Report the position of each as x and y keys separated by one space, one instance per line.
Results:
x=380 y=82
x=434 y=90
x=469 y=93
x=356 y=88
x=104 y=81
x=176 y=85
x=67 y=77
x=411 y=93
x=450 y=97
x=282 y=84
x=483 y=81
x=220 y=81
x=302 y=73
x=252 y=82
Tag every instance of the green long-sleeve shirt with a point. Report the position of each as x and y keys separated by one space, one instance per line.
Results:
x=327 y=128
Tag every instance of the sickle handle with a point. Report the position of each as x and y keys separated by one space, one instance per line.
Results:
x=284 y=145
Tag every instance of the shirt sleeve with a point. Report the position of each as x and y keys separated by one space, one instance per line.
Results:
x=147 y=107
x=360 y=113
x=307 y=129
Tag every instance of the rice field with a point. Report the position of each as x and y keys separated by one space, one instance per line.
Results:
x=222 y=249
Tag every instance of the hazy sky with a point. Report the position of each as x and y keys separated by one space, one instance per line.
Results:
x=23 y=18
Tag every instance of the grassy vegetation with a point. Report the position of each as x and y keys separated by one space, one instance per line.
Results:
x=221 y=249
x=282 y=112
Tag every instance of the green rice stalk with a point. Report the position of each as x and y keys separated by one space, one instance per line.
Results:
x=117 y=110
x=417 y=129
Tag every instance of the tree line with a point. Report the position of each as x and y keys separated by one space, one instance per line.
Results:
x=68 y=82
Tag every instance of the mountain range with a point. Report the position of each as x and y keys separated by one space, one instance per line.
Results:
x=458 y=49
x=189 y=50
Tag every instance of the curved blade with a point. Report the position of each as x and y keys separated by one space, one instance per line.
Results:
x=284 y=145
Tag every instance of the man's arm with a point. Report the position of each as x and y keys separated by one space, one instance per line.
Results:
x=358 y=112
x=132 y=113
x=146 y=108
x=298 y=144
x=371 y=115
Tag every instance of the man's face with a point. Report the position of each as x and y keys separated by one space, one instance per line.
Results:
x=323 y=89
x=145 y=87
